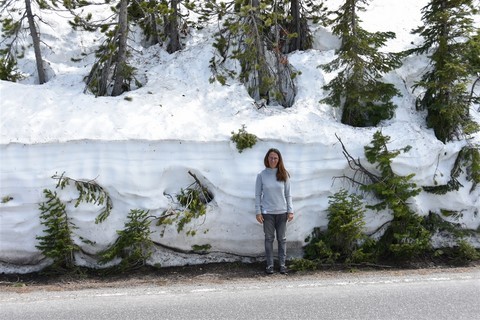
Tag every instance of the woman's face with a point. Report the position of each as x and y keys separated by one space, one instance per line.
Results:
x=273 y=159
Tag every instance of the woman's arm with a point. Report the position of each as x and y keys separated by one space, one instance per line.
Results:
x=288 y=197
x=258 y=198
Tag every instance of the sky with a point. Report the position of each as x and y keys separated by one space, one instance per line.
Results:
x=141 y=146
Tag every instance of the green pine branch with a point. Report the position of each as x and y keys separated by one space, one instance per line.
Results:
x=90 y=192
x=191 y=204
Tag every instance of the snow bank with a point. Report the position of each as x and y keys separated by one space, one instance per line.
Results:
x=140 y=147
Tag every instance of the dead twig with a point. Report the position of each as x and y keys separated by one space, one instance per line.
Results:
x=357 y=167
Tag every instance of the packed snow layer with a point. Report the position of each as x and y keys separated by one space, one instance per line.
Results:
x=141 y=174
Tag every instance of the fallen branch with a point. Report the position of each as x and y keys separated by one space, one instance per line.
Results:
x=207 y=196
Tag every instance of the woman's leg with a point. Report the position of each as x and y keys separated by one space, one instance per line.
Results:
x=269 y=229
x=281 y=228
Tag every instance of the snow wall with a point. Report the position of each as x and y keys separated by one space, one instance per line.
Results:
x=141 y=174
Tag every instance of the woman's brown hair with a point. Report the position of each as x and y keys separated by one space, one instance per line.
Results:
x=282 y=173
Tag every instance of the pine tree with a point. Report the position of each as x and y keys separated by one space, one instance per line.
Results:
x=8 y=69
x=133 y=245
x=358 y=88
x=111 y=74
x=292 y=31
x=448 y=27
x=405 y=236
x=391 y=189
x=57 y=242
x=16 y=17
x=171 y=27
x=146 y=14
x=255 y=34
x=163 y=22
x=345 y=224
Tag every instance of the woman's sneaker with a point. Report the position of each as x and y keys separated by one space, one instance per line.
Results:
x=283 y=270
x=269 y=270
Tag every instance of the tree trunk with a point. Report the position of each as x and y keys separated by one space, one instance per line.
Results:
x=122 y=36
x=172 y=29
x=153 y=19
x=295 y=12
x=36 y=42
x=262 y=90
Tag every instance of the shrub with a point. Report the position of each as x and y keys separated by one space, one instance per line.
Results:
x=466 y=252
x=6 y=199
x=56 y=243
x=345 y=223
x=303 y=265
x=243 y=139
x=133 y=244
x=343 y=241
x=319 y=250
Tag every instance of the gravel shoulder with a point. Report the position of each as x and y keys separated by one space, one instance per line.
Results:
x=209 y=274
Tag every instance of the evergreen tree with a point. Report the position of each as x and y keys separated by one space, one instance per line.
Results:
x=112 y=74
x=19 y=18
x=163 y=22
x=133 y=245
x=8 y=69
x=447 y=32
x=358 y=88
x=172 y=27
x=345 y=225
x=57 y=242
x=292 y=31
x=391 y=189
x=255 y=34
x=145 y=13
x=406 y=236
x=121 y=70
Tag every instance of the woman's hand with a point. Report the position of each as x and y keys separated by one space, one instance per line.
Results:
x=259 y=218
x=289 y=216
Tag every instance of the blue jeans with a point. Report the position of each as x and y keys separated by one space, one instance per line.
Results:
x=275 y=224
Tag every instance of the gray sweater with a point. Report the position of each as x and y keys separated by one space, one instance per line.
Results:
x=272 y=196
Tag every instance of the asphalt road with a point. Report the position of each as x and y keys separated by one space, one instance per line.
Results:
x=446 y=295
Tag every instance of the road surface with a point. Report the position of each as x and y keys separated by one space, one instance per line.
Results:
x=406 y=295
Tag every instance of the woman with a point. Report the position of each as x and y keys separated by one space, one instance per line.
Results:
x=273 y=206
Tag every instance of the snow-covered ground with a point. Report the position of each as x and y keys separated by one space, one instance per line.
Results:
x=141 y=149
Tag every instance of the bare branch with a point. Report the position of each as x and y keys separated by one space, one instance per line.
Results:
x=357 y=166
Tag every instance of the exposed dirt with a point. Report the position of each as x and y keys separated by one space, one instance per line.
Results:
x=200 y=274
